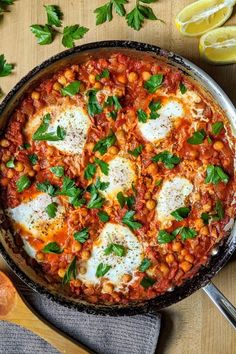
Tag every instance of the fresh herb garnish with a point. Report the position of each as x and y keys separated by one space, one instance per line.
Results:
x=73 y=192
x=137 y=151
x=130 y=200
x=54 y=15
x=93 y=106
x=180 y=213
x=47 y=187
x=159 y=182
x=5 y=68
x=41 y=133
x=154 y=107
x=118 y=250
x=165 y=237
x=82 y=235
x=112 y=114
x=219 y=209
x=139 y=13
x=24 y=146
x=128 y=220
x=71 y=89
x=33 y=159
x=51 y=209
x=104 y=12
x=72 y=33
x=197 y=138
x=205 y=218
x=146 y=263
x=23 y=183
x=103 y=216
x=103 y=144
x=58 y=171
x=185 y=232
x=142 y=116
x=10 y=163
x=104 y=75
x=215 y=174
x=146 y=282
x=44 y=34
x=170 y=160
x=90 y=171
x=71 y=272
x=217 y=127
x=183 y=88
x=96 y=200
x=102 y=269
x=153 y=83
x=113 y=101
x=4 y=4
x=52 y=247
x=104 y=166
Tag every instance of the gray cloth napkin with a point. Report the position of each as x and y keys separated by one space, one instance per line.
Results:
x=104 y=335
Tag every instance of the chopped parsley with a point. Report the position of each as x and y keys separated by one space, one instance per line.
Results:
x=93 y=106
x=58 y=171
x=215 y=175
x=137 y=151
x=217 y=127
x=51 y=209
x=71 y=89
x=180 y=213
x=128 y=220
x=170 y=160
x=103 y=216
x=82 y=235
x=52 y=247
x=146 y=282
x=23 y=183
x=142 y=115
x=146 y=263
x=42 y=134
x=71 y=272
x=33 y=159
x=197 y=138
x=153 y=83
x=118 y=250
x=103 y=144
x=102 y=269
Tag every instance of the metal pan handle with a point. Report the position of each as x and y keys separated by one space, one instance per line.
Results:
x=225 y=307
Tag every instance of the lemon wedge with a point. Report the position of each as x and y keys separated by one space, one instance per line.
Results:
x=203 y=15
x=219 y=45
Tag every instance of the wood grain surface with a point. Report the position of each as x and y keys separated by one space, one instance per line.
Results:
x=193 y=326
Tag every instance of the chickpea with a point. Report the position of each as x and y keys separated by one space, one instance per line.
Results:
x=150 y=204
x=126 y=278
x=108 y=288
x=5 y=143
x=152 y=169
x=207 y=207
x=77 y=247
x=170 y=258
x=57 y=86
x=204 y=231
x=146 y=75
x=10 y=174
x=199 y=224
x=193 y=154
x=184 y=252
x=83 y=212
x=197 y=196
x=176 y=246
x=189 y=258
x=122 y=78
x=147 y=195
x=35 y=95
x=218 y=145
x=69 y=75
x=149 y=147
x=82 y=270
x=19 y=167
x=31 y=173
x=97 y=86
x=120 y=135
x=186 y=266
x=164 y=268
x=62 y=80
x=92 y=79
x=4 y=181
x=77 y=283
x=85 y=255
x=90 y=146
x=132 y=76
x=36 y=168
x=113 y=150
x=119 y=92
x=61 y=272
x=39 y=256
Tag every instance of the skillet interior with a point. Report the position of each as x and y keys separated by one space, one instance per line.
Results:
x=7 y=245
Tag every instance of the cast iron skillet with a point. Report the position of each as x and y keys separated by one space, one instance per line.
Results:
x=220 y=255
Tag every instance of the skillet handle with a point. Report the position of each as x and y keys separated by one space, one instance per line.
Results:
x=225 y=307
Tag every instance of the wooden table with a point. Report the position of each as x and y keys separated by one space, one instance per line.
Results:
x=193 y=326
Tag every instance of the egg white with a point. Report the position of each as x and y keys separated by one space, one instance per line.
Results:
x=128 y=264
x=32 y=217
x=72 y=119
x=171 y=197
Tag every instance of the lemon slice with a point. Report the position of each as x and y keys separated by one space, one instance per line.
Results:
x=203 y=15
x=219 y=45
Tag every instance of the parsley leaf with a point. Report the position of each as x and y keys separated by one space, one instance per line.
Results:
x=217 y=127
x=142 y=116
x=81 y=235
x=180 y=213
x=146 y=282
x=154 y=107
x=52 y=247
x=102 y=269
x=119 y=250
x=170 y=160
x=104 y=13
x=137 y=151
x=128 y=220
x=58 y=171
x=123 y=200
x=113 y=101
x=96 y=200
x=103 y=216
x=135 y=18
x=197 y=138
x=71 y=89
x=41 y=133
x=44 y=34
x=153 y=83
x=51 y=209
x=90 y=171
x=54 y=15
x=93 y=106
x=5 y=68
x=183 y=88
x=219 y=209
x=70 y=190
x=23 y=183
x=10 y=163
x=185 y=232
x=72 y=33
x=33 y=159
x=165 y=237
x=104 y=166
x=215 y=174
x=103 y=144
x=104 y=75
x=145 y=264
x=47 y=187
x=4 y=4
x=205 y=217
x=71 y=272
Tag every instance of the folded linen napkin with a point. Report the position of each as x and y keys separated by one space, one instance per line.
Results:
x=106 y=335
